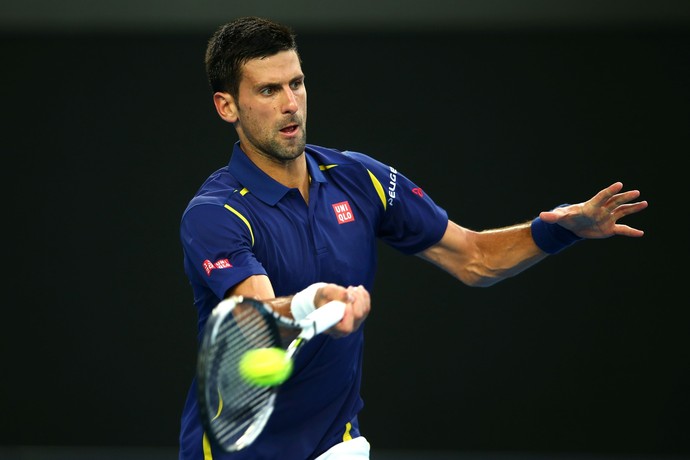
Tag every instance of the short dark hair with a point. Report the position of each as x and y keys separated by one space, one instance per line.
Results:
x=238 y=41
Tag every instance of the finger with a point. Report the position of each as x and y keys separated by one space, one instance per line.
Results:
x=625 y=230
x=603 y=197
x=331 y=292
x=630 y=208
x=549 y=217
x=626 y=197
x=360 y=306
x=356 y=295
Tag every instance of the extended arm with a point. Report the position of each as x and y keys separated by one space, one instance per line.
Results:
x=487 y=257
x=356 y=298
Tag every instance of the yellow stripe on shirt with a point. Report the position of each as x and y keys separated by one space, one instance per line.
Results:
x=347 y=436
x=379 y=188
x=244 y=219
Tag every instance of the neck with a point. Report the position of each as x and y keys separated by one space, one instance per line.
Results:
x=290 y=173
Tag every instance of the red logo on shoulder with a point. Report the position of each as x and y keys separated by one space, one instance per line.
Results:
x=418 y=191
x=343 y=212
x=210 y=266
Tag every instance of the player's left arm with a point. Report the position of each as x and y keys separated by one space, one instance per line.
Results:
x=598 y=217
x=487 y=257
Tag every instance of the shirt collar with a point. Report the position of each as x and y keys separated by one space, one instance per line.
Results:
x=261 y=184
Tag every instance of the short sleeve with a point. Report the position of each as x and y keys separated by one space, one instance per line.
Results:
x=218 y=247
x=412 y=221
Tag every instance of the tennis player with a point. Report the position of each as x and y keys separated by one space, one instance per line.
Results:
x=284 y=217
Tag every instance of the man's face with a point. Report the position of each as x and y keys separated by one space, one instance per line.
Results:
x=272 y=107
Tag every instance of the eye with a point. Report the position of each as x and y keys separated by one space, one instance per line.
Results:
x=297 y=84
x=267 y=91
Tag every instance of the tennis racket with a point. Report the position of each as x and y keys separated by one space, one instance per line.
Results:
x=234 y=411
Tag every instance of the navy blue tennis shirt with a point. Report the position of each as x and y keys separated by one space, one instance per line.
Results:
x=241 y=222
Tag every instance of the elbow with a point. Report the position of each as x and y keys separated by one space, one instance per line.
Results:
x=481 y=281
x=485 y=282
x=474 y=276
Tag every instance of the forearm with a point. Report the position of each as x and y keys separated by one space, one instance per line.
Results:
x=487 y=257
x=296 y=306
x=505 y=252
x=259 y=287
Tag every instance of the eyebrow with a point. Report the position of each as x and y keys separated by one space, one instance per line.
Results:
x=264 y=84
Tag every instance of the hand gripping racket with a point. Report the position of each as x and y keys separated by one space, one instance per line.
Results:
x=234 y=411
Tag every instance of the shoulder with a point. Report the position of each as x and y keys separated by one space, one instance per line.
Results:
x=329 y=158
x=325 y=155
x=216 y=191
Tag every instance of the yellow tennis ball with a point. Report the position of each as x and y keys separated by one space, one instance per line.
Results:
x=265 y=366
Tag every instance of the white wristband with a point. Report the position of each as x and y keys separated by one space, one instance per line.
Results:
x=303 y=302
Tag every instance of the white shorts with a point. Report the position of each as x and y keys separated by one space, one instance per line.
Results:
x=354 y=449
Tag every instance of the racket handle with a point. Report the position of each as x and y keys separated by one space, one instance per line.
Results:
x=324 y=317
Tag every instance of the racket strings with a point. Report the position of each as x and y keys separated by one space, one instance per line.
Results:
x=244 y=406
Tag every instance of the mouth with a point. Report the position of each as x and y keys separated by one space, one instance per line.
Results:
x=291 y=129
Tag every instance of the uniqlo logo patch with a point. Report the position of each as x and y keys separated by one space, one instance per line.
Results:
x=210 y=266
x=343 y=212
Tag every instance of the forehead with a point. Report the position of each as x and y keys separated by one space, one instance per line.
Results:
x=283 y=66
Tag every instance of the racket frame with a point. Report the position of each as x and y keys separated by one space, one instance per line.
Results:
x=315 y=323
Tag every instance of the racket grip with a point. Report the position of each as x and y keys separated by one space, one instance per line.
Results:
x=326 y=316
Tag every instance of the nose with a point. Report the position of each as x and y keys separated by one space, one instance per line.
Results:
x=290 y=103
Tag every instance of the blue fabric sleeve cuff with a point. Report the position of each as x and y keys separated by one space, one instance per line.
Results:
x=552 y=238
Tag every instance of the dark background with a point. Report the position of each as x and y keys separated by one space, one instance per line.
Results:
x=108 y=131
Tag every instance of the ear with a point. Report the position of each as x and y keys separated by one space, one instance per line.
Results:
x=225 y=106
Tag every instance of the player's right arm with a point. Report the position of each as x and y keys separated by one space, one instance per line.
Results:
x=356 y=298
